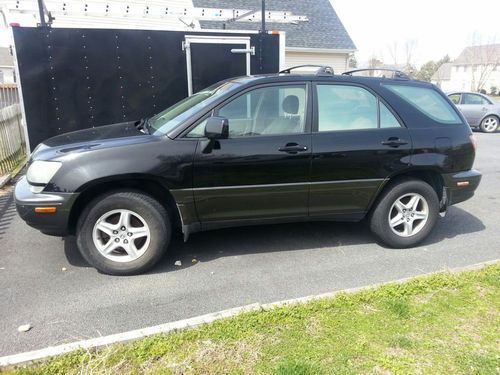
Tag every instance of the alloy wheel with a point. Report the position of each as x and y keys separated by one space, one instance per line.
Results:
x=121 y=235
x=408 y=215
x=490 y=124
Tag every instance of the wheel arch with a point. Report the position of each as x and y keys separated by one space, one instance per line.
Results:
x=494 y=114
x=144 y=184
x=431 y=176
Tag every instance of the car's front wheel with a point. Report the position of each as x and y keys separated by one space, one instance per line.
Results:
x=489 y=124
x=405 y=214
x=123 y=233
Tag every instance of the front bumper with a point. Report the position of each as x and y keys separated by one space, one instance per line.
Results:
x=460 y=186
x=55 y=224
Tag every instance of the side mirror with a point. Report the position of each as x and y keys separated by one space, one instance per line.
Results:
x=217 y=128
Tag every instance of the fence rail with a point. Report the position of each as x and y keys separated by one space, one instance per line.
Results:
x=12 y=140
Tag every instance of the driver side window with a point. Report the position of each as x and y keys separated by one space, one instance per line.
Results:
x=264 y=111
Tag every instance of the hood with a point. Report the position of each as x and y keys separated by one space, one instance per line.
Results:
x=125 y=129
x=87 y=139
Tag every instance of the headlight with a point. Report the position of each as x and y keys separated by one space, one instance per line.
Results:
x=41 y=172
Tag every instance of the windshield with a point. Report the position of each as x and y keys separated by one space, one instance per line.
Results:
x=168 y=119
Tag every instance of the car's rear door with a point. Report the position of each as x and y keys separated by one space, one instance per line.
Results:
x=357 y=141
x=474 y=107
x=262 y=170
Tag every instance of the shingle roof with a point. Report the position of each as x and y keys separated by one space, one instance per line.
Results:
x=485 y=54
x=323 y=30
x=5 y=57
x=443 y=73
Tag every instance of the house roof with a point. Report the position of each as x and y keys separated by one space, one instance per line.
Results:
x=5 y=57
x=323 y=30
x=443 y=73
x=484 y=54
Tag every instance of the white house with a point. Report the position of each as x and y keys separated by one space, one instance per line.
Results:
x=318 y=38
x=322 y=40
x=476 y=68
x=6 y=66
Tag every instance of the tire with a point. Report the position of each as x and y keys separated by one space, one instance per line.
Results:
x=123 y=233
x=489 y=124
x=396 y=204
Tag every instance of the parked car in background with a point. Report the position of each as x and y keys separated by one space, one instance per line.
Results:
x=480 y=110
x=255 y=150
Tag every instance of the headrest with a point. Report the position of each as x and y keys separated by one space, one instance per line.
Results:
x=291 y=104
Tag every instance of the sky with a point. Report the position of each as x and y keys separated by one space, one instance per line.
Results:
x=434 y=27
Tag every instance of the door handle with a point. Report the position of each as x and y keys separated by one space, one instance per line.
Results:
x=394 y=142
x=293 y=148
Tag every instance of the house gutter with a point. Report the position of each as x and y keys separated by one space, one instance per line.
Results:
x=319 y=50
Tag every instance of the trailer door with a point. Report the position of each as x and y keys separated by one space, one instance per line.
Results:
x=211 y=59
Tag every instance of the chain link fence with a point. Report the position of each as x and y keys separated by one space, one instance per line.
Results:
x=12 y=140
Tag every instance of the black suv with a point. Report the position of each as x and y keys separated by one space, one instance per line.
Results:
x=255 y=150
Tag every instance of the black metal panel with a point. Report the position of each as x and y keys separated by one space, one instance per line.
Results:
x=78 y=78
x=208 y=71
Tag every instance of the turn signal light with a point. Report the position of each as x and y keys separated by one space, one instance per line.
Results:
x=45 y=210
x=462 y=183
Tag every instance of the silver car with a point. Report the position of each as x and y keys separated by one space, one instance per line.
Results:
x=480 y=110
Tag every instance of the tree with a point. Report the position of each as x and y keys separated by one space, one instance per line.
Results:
x=427 y=71
x=430 y=67
x=410 y=46
x=407 y=52
x=393 y=51
x=352 y=62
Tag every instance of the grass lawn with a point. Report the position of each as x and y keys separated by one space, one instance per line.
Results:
x=442 y=324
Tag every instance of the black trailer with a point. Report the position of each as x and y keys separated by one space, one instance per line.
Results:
x=75 y=78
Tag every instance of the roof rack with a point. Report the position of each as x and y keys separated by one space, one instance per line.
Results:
x=322 y=69
x=396 y=74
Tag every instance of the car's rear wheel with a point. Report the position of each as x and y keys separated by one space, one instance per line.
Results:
x=405 y=214
x=489 y=124
x=123 y=233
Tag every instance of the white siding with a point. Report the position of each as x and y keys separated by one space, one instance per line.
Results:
x=466 y=77
x=338 y=61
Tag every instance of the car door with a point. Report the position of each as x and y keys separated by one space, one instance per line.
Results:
x=261 y=171
x=357 y=143
x=474 y=107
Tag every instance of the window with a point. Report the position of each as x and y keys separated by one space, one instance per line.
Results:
x=387 y=119
x=264 y=111
x=342 y=107
x=455 y=98
x=168 y=119
x=428 y=101
x=475 y=99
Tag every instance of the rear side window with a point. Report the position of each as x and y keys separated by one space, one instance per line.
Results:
x=344 y=107
x=475 y=99
x=427 y=101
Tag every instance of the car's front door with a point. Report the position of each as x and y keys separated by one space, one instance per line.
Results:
x=357 y=143
x=261 y=171
x=474 y=107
